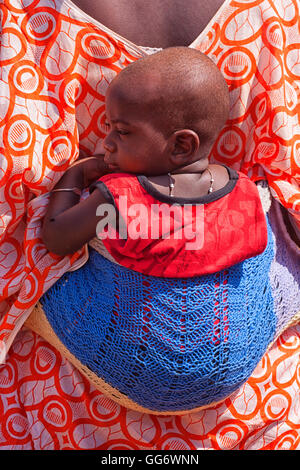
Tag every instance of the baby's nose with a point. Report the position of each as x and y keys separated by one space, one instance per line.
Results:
x=101 y=149
x=108 y=144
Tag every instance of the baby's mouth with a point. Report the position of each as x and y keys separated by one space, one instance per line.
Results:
x=107 y=159
x=111 y=166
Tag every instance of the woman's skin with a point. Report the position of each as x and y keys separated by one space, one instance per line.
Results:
x=153 y=23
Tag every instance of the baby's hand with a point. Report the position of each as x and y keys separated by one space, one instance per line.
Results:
x=91 y=168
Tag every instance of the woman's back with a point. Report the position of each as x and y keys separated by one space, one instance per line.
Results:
x=154 y=24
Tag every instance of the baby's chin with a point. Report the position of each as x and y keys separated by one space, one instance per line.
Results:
x=112 y=167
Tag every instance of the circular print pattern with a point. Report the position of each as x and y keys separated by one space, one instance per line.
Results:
x=55 y=70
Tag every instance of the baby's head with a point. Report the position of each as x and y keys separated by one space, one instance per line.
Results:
x=165 y=112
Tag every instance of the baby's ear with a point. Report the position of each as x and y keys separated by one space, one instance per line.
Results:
x=185 y=144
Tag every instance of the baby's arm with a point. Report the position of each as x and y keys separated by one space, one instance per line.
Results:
x=69 y=223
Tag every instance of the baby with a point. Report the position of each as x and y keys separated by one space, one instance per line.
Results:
x=178 y=314
x=162 y=130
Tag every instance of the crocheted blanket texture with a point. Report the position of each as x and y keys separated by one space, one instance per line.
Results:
x=168 y=344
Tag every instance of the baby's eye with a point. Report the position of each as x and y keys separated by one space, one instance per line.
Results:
x=122 y=132
x=106 y=125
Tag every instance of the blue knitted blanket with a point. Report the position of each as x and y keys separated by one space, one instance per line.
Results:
x=168 y=344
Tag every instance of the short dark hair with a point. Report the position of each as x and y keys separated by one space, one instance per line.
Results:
x=178 y=87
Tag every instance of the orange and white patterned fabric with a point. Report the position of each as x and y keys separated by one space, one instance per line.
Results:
x=45 y=404
x=56 y=63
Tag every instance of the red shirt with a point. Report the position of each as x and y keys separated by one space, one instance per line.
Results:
x=182 y=237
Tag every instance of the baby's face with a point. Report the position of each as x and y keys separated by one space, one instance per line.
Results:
x=133 y=145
